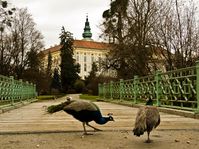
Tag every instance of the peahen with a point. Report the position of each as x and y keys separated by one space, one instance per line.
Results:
x=83 y=111
x=147 y=119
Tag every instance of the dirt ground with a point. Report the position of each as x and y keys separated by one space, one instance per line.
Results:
x=29 y=127
x=161 y=139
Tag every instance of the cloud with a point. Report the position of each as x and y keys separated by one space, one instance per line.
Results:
x=51 y=15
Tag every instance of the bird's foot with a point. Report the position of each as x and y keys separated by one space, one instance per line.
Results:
x=86 y=133
x=96 y=129
x=148 y=141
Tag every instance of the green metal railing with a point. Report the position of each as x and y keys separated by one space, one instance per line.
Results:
x=174 y=89
x=15 y=91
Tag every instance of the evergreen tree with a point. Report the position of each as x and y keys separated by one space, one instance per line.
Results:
x=33 y=61
x=56 y=84
x=91 y=80
x=34 y=74
x=92 y=75
x=49 y=67
x=69 y=70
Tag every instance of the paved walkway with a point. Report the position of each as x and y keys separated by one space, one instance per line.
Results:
x=33 y=118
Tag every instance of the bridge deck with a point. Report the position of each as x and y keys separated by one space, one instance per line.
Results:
x=32 y=119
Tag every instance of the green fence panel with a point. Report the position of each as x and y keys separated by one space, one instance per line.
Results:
x=13 y=91
x=174 y=89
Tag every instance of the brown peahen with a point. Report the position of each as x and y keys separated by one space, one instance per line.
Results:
x=147 y=119
x=83 y=111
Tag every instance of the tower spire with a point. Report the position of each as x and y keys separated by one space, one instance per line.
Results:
x=87 y=30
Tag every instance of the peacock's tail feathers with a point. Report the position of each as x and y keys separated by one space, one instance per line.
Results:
x=79 y=105
x=140 y=122
x=59 y=107
x=54 y=108
x=147 y=118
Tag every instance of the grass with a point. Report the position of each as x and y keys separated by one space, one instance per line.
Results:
x=45 y=97
x=89 y=97
x=6 y=102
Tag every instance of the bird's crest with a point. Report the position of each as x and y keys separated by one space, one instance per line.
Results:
x=110 y=114
x=69 y=98
x=110 y=117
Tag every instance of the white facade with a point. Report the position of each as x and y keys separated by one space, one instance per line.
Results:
x=85 y=57
x=85 y=53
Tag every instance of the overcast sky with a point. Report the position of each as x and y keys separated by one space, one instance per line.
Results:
x=51 y=15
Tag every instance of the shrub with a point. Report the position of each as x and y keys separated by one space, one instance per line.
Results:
x=79 y=86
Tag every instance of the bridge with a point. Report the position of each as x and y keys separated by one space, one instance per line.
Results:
x=31 y=127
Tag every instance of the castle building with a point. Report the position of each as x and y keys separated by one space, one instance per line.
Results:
x=86 y=51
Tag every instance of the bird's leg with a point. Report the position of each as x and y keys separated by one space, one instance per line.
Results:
x=148 y=139
x=85 y=132
x=95 y=129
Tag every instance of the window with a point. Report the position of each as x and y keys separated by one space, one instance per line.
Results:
x=79 y=66
x=100 y=63
x=77 y=58
x=85 y=69
x=99 y=59
x=92 y=58
x=84 y=57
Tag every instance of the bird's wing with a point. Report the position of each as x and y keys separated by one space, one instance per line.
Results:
x=80 y=105
x=94 y=105
x=141 y=118
x=140 y=122
x=153 y=116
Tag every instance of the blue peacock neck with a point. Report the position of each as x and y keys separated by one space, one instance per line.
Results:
x=102 y=120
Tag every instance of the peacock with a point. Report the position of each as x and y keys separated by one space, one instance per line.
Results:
x=83 y=111
x=147 y=119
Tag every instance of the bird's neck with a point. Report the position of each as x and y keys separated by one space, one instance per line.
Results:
x=149 y=102
x=102 y=120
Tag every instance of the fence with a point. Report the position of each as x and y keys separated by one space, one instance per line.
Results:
x=15 y=91
x=175 y=89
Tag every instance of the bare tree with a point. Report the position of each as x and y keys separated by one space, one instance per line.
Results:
x=132 y=31
x=151 y=33
x=177 y=32
x=17 y=41
x=5 y=22
x=25 y=38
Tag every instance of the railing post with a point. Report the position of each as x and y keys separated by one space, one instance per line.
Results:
x=121 y=88
x=99 y=90
x=135 y=88
x=31 y=91
x=12 y=88
x=158 y=90
x=197 y=85
x=111 y=90
x=104 y=91
x=21 y=90
x=27 y=90
x=35 y=91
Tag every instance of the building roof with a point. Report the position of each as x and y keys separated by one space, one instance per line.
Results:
x=81 y=44
x=91 y=45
